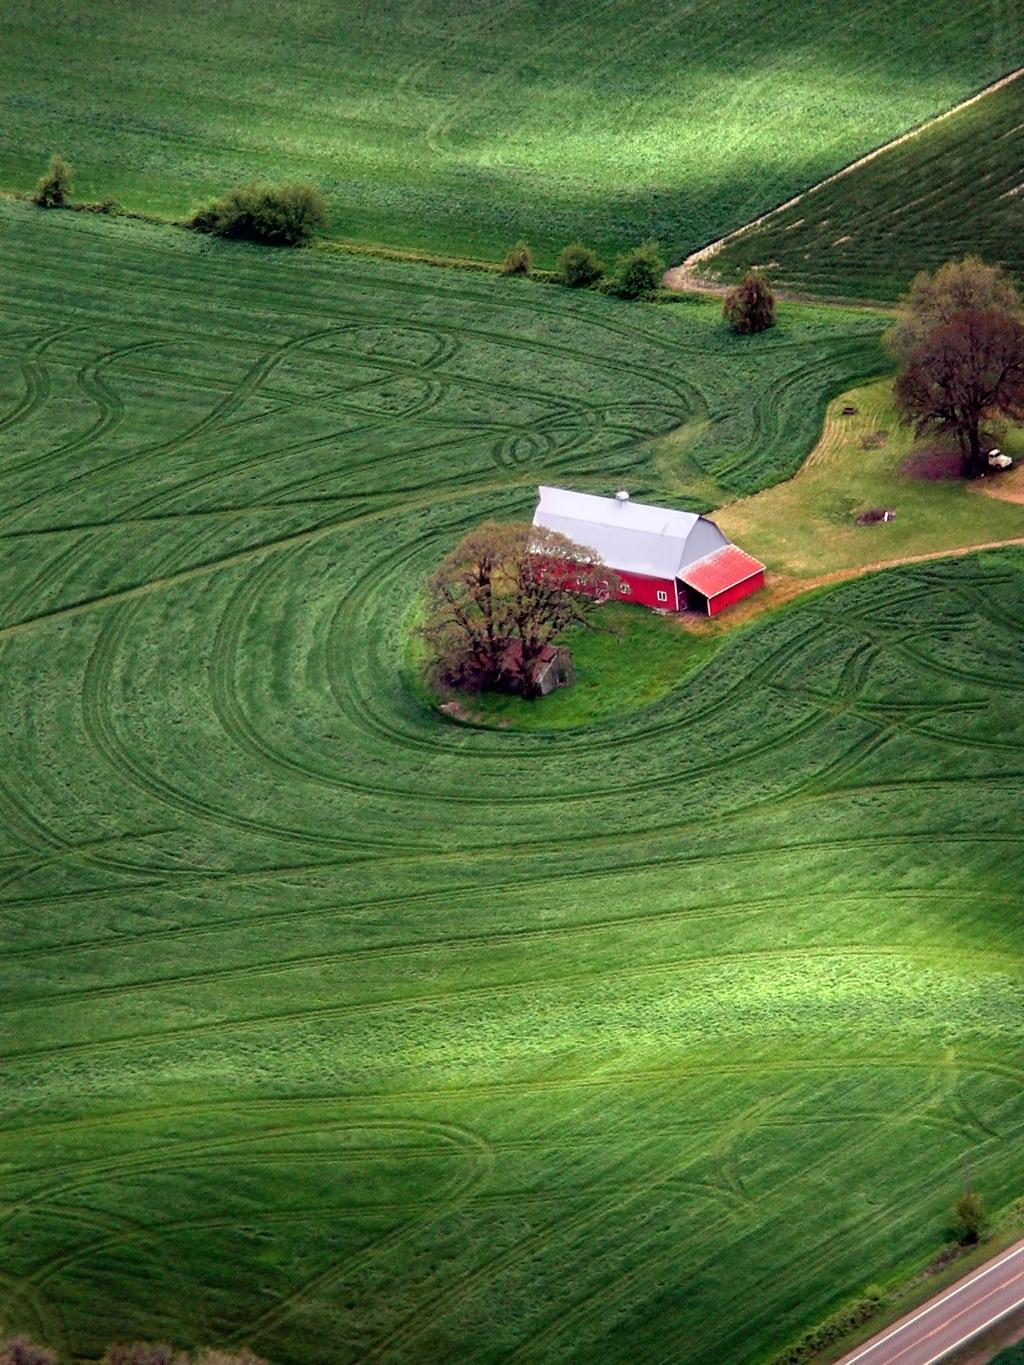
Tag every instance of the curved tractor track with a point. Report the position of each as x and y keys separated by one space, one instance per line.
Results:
x=355 y=1034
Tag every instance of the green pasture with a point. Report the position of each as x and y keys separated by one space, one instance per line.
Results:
x=457 y=127
x=955 y=188
x=808 y=525
x=336 y=1027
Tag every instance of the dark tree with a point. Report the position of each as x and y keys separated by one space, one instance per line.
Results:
x=954 y=288
x=501 y=597
x=276 y=215
x=639 y=271
x=53 y=188
x=579 y=266
x=970 y=1217
x=750 y=307
x=967 y=370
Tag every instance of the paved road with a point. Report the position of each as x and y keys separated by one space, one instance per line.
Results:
x=952 y=1318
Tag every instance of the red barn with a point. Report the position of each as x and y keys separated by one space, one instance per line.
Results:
x=668 y=560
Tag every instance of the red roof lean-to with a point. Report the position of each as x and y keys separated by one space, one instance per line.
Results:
x=719 y=570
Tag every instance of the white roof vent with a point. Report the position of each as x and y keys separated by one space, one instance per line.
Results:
x=622 y=495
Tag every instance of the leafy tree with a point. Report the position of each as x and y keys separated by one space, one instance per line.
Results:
x=967 y=370
x=53 y=188
x=499 y=599
x=579 y=266
x=518 y=261
x=954 y=288
x=639 y=271
x=750 y=307
x=276 y=215
x=970 y=1217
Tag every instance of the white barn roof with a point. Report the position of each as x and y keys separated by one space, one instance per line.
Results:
x=630 y=536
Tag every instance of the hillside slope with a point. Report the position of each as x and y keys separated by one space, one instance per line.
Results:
x=460 y=127
x=336 y=1027
x=956 y=187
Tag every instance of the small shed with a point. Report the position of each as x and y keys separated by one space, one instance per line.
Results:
x=721 y=578
x=553 y=669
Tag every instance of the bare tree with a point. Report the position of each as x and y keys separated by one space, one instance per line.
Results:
x=501 y=597
x=967 y=370
x=954 y=288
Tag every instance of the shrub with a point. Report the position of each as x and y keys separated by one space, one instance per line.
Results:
x=143 y=1353
x=970 y=1217
x=639 y=271
x=579 y=266
x=750 y=307
x=243 y=1357
x=518 y=261
x=53 y=188
x=21 y=1351
x=833 y=1329
x=276 y=215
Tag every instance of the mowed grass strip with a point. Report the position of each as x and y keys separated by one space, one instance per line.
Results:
x=459 y=129
x=955 y=188
x=336 y=1027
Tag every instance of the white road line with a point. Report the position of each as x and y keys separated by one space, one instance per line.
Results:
x=935 y=1303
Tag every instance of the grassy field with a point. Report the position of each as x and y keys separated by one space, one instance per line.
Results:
x=625 y=657
x=458 y=128
x=807 y=526
x=339 y=1028
x=955 y=188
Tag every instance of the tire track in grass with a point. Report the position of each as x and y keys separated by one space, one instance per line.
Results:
x=35 y=377
x=493 y=991
x=111 y=408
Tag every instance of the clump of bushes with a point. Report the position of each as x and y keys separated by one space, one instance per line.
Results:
x=21 y=1351
x=833 y=1329
x=579 y=266
x=518 y=261
x=639 y=271
x=159 y=1353
x=276 y=215
x=53 y=188
x=750 y=307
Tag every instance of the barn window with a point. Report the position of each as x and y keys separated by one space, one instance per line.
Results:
x=625 y=588
x=662 y=596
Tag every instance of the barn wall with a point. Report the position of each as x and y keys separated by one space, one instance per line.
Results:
x=645 y=591
x=736 y=592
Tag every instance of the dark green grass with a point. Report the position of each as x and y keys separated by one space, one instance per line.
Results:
x=624 y=658
x=458 y=128
x=955 y=188
x=334 y=1027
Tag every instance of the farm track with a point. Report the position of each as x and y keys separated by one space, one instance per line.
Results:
x=427 y=1034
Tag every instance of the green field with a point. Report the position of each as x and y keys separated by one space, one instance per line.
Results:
x=807 y=526
x=338 y=1028
x=457 y=127
x=954 y=188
